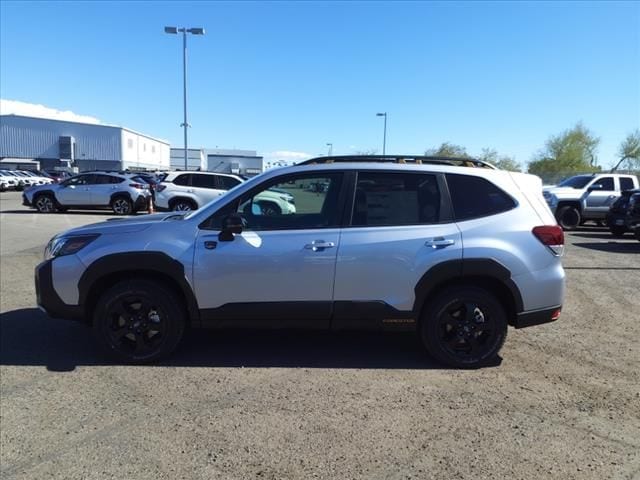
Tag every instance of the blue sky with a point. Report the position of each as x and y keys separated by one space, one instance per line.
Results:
x=292 y=76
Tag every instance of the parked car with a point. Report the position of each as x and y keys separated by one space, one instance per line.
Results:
x=616 y=217
x=94 y=190
x=184 y=191
x=20 y=181
x=633 y=214
x=7 y=182
x=450 y=252
x=58 y=175
x=586 y=197
x=37 y=179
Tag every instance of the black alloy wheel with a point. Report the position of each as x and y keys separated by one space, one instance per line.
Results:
x=139 y=321
x=464 y=327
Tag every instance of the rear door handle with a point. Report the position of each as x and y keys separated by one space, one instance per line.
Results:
x=319 y=245
x=438 y=242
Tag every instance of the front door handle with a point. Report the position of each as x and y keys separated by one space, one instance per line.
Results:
x=439 y=242
x=319 y=245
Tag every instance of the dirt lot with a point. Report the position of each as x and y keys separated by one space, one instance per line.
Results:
x=563 y=403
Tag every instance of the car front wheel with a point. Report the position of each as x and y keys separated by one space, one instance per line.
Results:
x=45 y=203
x=464 y=327
x=139 y=321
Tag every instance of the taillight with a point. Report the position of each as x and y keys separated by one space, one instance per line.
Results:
x=552 y=236
x=160 y=187
x=137 y=185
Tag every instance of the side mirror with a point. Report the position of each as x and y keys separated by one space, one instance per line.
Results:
x=595 y=188
x=231 y=224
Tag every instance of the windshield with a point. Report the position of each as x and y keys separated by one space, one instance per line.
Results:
x=578 y=181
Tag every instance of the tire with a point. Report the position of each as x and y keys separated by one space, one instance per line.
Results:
x=637 y=234
x=139 y=321
x=568 y=217
x=122 y=206
x=183 y=205
x=45 y=203
x=618 y=231
x=269 y=209
x=464 y=327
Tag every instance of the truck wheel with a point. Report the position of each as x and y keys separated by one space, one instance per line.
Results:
x=139 y=321
x=464 y=327
x=568 y=217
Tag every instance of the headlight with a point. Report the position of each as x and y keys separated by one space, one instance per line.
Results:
x=60 y=246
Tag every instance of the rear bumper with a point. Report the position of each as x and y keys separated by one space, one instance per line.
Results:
x=537 y=317
x=141 y=202
x=47 y=298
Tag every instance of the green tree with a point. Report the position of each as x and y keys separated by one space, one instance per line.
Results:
x=447 y=149
x=572 y=151
x=503 y=162
x=629 y=151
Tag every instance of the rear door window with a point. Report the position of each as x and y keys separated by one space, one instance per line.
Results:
x=394 y=199
x=203 y=181
x=475 y=197
x=626 y=183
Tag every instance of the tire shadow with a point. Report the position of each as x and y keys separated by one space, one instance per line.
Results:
x=29 y=338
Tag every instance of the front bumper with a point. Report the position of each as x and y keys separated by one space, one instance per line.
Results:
x=537 y=317
x=25 y=200
x=47 y=298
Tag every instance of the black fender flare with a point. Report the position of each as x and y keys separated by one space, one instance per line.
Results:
x=458 y=270
x=132 y=263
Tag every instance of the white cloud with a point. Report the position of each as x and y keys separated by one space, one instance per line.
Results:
x=17 y=107
x=286 y=156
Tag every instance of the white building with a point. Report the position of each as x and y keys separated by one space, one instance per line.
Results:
x=60 y=143
x=195 y=159
x=240 y=162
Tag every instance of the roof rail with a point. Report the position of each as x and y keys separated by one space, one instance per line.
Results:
x=415 y=159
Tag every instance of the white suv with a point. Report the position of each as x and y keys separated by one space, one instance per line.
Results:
x=451 y=252
x=184 y=191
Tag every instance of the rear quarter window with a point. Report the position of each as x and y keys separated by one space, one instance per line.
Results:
x=475 y=197
x=184 y=179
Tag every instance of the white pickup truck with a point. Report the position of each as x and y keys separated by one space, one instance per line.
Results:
x=586 y=197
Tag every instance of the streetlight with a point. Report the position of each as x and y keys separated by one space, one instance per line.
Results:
x=184 y=31
x=330 y=145
x=384 y=138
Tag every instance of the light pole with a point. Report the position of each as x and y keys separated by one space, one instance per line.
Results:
x=384 y=138
x=184 y=31
x=330 y=145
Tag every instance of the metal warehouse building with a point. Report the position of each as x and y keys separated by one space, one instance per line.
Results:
x=60 y=143
x=239 y=162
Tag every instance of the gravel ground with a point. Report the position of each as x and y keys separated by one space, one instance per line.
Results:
x=563 y=403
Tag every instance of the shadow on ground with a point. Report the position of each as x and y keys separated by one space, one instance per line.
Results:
x=611 y=247
x=29 y=338
x=68 y=212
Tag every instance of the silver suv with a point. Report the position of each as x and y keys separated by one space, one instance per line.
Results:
x=124 y=193
x=454 y=253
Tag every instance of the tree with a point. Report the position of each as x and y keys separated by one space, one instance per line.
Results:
x=629 y=151
x=572 y=151
x=447 y=149
x=503 y=162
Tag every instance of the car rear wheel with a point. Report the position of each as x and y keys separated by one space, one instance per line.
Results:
x=568 y=217
x=139 y=321
x=464 y=327
x=45 y=203
x=121 y=206
x=182 y=205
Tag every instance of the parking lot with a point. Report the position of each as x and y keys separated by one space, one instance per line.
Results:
x=563 y=403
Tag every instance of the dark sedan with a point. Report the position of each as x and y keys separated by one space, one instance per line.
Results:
x=616 y=217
